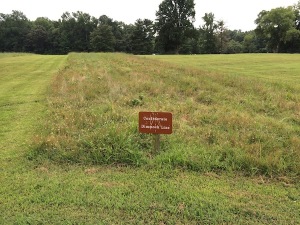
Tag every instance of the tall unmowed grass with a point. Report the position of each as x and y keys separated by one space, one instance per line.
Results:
x=220 y=122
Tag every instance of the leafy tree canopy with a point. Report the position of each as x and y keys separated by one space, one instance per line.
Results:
x=278 y=30
x=174 y=19
x=274 y=25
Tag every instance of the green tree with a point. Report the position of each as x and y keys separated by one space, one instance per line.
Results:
x=292 y=43
x=102 y=39
x=105 y=20
x=75 y=30
x=296 y=9
x=208 y=39
x=236 y=35
x=39 y=39
x=66 y=32
x=121 y=32
x=234 y=47
x=174 y=19
x=83 y=28
x=142 y=37
x=274 y=25
x=14 y=28
x=249 y=43
x=222 y=36
x=56 y=38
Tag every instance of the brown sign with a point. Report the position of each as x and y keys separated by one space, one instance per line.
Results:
x=155 y=122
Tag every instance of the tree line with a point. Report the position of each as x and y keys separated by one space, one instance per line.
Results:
x=173 y=31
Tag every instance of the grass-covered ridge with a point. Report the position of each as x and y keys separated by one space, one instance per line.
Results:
x=221 y=121
x=53 y=193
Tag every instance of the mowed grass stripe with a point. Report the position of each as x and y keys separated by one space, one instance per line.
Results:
x=19 y=73
x=268 y=67
x=23 y=85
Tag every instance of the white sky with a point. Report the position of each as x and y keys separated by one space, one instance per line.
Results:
x=237 y=14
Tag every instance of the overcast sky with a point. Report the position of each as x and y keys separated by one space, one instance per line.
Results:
x=237 y=14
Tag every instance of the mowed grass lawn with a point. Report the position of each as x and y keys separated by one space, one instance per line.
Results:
x=24 y=79
x=53 y=190
x=269 y=67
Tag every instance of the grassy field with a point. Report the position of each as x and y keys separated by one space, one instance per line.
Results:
x=269 y=67
x=222 y=122
x=24 y=79
x=71 y=153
